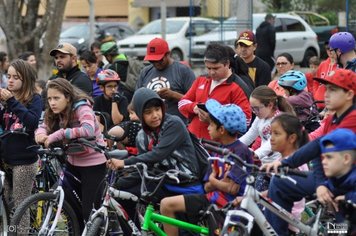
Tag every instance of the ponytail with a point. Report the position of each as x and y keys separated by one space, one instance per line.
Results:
x=284 y=105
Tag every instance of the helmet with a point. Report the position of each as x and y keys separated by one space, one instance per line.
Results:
x=293 y=79
x=107 y=75
x=343 y=41
x=108 y=47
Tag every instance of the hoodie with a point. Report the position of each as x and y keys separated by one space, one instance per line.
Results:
x=266 y=39
x=167 y=147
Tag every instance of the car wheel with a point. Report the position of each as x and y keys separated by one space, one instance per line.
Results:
x=177 y=55
x=307 y=55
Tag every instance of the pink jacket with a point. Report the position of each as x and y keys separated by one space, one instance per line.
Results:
x=83 y=124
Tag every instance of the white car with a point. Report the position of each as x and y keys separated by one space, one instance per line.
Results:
x=293 y=35
x=177 y=36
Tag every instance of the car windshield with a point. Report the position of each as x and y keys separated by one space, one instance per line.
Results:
x=76 y=31
x=172 y=27
x=231 y=24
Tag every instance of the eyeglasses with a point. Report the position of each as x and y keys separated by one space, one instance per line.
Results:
x=281 y=63
x=327 y=48
x=257 y=109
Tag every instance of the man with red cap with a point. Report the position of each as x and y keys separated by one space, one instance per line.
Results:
x=169 y=78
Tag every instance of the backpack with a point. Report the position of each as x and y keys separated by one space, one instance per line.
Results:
x=202 y=156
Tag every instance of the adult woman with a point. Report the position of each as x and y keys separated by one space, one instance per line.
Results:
x=4 y=65
x=284 y=63
x=69 y=115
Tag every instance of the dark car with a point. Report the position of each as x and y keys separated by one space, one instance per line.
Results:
x=78 y=35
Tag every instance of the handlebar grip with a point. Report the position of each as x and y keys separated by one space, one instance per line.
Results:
x=222 y=151
x=290 y=171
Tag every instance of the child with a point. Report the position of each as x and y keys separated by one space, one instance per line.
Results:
x=223 y=182
x=294 y=83
x=287 y=135
x=163 y=143
x=20 y=108
x=89 y=63
x=111 y=102
x=314 y=63
x=265 y=104
x=339 y=97
x=69 y=115
x=129 y=129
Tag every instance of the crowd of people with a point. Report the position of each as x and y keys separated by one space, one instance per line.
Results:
x=256 y=106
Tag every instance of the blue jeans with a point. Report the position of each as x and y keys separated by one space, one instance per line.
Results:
x=285 y=193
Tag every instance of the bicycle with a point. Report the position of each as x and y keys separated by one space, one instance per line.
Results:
x=251 y=211
x=49 y=213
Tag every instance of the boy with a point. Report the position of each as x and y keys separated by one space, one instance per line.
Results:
x=163 y=144
x=338 y=150
x=223 y=182
x=339 y=97
x=111 y=103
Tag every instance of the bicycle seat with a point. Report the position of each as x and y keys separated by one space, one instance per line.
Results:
x=118 y=154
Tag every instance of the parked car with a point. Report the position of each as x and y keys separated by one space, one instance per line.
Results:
x=293 y=35
x=78 y=35
x=177 y=35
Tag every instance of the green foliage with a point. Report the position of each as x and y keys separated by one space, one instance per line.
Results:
x=332 y=17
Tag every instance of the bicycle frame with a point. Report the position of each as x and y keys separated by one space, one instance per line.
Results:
x=249 y=204
x=151 y=218
x=59 y=191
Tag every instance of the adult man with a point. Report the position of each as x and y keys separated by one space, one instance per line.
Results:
x=127 y=68
x=258 y=70
x=343 y=43
x=220 y=84
x=169 y=78
x=266 y=40
x=65 y=59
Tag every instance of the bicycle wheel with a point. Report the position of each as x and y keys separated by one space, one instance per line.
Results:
x=4 y=219
x=236 y=229
x=29 y=216
x=95 y=228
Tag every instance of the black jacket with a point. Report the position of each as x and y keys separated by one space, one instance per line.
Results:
x=78 y=78
x=266 y=40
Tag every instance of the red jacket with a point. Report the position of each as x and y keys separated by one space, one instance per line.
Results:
x=346 y=120
x=227 y=92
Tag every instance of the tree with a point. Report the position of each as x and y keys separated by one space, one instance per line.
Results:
x=26 y=30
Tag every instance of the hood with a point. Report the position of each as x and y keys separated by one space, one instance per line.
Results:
x=141 y=97
x=265 y=24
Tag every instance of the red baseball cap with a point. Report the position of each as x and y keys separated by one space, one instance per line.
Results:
x=342 y=78
x=156 y=49
x=246 y=37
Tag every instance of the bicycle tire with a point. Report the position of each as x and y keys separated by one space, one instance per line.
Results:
x=40 y=202
x=237 y=229
x=95 y=227
x=4 y=219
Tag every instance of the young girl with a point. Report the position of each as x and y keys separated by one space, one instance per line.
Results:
x=129 y=129
x=69 y=115
x=287 y=135
x=265 y=105
x=90 y=65
x=20 y=109
x=294 y=82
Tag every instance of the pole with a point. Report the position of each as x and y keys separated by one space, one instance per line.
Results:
x=91 y=21
x=163 y=18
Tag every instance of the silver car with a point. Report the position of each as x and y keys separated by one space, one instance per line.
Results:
x=293 y=35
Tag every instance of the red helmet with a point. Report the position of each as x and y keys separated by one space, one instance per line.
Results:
x=107 y=75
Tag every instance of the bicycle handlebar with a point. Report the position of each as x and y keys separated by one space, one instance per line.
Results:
x=105 y=131
x=16 y=131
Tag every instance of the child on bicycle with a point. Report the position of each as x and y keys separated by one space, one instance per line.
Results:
x=223 y=182
x=339 y=97
x=112 y=102
x=338 y=150
x=69 y=115
x=128 y=130
x=294 y=83
x=265 y=104
x=20 y=109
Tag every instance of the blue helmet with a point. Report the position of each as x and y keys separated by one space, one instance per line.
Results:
x=293 y=79
x=344 y=41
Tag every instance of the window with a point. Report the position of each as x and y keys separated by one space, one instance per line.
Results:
x=293 y=25
x=278 y=25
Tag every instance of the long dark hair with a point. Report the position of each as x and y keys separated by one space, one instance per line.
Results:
x=28 y=77
x=266 y=95
x=73 y=94
x=291 y=125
